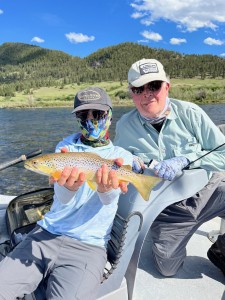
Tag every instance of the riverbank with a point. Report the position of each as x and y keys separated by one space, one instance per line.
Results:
x=207 y=91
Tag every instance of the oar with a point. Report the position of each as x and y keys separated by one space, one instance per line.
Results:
x=19 y=159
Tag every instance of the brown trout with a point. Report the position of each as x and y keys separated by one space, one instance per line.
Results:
x=53 y=165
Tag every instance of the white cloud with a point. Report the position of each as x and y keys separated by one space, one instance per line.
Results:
x=143 y=41
x=222 y=54
x=189 y=15
x=137 y=15
x=210 y=41
x=150 y=35
x=1 y=11
x=176 y=41
x=75 y=38
x=146 y=22
x=37 y=39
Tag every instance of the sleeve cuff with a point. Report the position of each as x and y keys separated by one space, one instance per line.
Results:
x=63 y=194
x=108 y=197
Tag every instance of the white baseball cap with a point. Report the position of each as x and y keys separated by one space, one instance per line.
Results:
x=146 y=70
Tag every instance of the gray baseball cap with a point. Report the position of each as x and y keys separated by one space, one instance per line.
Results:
x=146 y=70
x=92 y=98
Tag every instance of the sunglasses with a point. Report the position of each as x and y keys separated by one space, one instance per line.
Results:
x=97 y=114
x=152 y=86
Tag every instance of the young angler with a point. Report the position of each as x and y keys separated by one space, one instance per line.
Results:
x=66 y=252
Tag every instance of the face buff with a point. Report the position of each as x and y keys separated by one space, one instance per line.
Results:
x=94 y=131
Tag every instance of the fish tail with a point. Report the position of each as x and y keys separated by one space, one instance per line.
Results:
x=144 y=184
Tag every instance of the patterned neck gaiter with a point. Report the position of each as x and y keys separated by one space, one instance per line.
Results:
x=94 y=132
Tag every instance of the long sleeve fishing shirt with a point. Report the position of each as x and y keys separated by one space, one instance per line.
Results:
x=85 y=215
x=187 y=131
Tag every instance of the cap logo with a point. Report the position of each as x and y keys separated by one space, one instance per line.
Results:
x=148 y=68
x=88 y=95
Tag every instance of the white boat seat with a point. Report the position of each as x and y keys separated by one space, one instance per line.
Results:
x=162 y=195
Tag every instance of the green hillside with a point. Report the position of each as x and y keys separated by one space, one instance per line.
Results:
x=34 y=76
x=24 y=67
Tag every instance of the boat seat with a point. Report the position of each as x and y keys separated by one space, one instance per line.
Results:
x=120 y=285
x=120 y=248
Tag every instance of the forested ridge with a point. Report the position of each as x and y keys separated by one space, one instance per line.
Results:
x=24 y=67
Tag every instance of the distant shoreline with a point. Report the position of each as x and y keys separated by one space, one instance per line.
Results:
x=208 y=91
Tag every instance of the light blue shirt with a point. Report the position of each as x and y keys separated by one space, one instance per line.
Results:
x=187 y=131
x=85 y=215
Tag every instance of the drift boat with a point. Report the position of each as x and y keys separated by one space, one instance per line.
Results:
x=130 y=273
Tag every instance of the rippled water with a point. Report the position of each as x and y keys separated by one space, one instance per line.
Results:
x=26 y=130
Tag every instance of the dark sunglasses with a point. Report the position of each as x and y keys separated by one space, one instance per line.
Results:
x=152 y=86
x=97 y=114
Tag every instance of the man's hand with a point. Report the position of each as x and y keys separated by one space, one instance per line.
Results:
x=169 y=168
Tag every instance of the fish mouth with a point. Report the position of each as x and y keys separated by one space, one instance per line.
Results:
x=29 y=167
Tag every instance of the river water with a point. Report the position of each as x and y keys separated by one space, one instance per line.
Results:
x=26 y=130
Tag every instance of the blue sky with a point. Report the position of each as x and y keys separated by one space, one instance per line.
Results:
x=81 y=27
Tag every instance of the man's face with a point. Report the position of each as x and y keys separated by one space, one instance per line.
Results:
x=150 y=99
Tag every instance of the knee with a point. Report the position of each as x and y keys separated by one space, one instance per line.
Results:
x=168 y=266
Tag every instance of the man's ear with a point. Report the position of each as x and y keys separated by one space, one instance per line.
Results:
x=168 y=85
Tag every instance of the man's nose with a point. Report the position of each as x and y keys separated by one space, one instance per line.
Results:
x=147 y=92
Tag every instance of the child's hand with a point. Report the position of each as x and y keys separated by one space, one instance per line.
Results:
x=70 y=177
x=107 y=180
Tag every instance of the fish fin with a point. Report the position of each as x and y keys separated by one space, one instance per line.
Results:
x=56 y=175
x=144 y=184
x=128 y=167
x=92 y=185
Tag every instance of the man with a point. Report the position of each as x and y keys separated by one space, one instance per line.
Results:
x=66 y=252
x=172 y=133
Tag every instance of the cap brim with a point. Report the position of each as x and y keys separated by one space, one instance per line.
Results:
x=146 y=79
x=102 y=107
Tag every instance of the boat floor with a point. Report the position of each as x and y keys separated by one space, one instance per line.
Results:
x=199 y=279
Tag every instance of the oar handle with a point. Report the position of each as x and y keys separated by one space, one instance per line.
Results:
x=19 y=159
